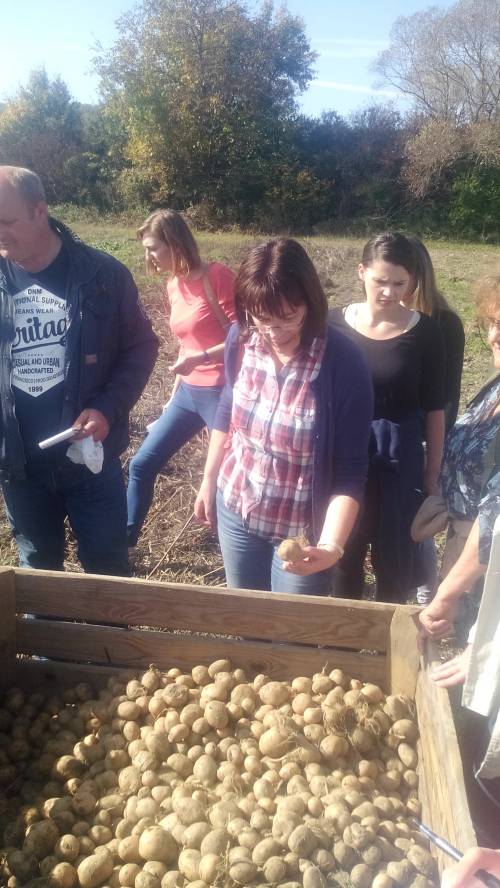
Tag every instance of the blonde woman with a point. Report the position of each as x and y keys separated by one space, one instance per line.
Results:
x=428 y=299
x=201 y=301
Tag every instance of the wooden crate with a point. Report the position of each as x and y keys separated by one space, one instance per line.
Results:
x=280 y=635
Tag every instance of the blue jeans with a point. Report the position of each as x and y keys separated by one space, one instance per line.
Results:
x=192 y=408
x=95 y=505
x=252 y=562
x=427 y=556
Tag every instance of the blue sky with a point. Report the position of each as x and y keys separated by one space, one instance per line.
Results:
x=346 y=35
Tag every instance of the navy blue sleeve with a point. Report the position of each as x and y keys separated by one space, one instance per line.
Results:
x=232 y=347
x=353 y=417
x=137 y=350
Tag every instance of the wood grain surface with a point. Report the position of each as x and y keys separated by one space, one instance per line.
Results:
x=7 y=627
x=136 y=648
x=403 y=658
x=305 y=619
x=445 y=806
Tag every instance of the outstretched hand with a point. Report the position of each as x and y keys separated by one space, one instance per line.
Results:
x=314 y=561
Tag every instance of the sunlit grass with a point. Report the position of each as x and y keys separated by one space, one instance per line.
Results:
x=336 y=258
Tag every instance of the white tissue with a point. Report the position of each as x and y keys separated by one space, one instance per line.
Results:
x=87 y=452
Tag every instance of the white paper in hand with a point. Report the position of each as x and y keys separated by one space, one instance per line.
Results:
x=87 y=452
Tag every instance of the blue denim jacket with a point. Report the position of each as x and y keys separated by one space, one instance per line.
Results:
x=110 y=352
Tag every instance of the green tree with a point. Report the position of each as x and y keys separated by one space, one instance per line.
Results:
x=205 y=92
x=475 y=203
x=357 y=162
x=40 y=128
x=95 y=170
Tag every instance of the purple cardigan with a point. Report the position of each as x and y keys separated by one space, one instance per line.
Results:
x=344 y=409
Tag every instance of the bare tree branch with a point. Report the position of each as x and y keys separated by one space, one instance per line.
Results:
x=447 y=61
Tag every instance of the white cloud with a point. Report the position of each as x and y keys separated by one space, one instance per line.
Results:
x=354 y=88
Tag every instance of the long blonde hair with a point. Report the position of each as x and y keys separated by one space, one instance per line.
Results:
x=427 y=298
x=170 y=227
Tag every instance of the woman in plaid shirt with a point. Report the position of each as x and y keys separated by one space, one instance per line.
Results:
x=289 y=451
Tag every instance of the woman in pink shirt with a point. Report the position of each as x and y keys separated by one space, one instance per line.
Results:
x=201 y=297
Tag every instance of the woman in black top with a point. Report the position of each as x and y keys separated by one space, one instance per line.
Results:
x=404 y=351
x=427 y=299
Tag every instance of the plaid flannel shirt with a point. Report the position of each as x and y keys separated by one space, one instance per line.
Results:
x=266 y=475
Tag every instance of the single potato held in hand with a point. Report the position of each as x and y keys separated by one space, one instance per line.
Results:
x=292 y=550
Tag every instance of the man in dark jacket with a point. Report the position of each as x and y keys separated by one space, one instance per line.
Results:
x=76 y=350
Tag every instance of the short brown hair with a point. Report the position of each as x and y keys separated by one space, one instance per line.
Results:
x=487 y=293
x=27 y=184
x=277 y=273
x=171 y=228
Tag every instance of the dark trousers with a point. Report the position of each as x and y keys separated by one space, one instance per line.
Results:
x=392 y=497
x=95 y=505
x=349 y=573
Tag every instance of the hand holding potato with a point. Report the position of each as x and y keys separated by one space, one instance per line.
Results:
x=303 y=559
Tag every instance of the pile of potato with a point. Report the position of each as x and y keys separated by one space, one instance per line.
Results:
x=191 y=780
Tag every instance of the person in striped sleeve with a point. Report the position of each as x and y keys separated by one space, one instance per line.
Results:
x=288 y=453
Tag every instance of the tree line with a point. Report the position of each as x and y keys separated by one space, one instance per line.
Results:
x=199 y=111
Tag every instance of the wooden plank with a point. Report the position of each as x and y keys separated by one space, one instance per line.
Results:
x=7 y=626
x=51 y=676
x=444 y=800
x=137 y=649
x=299 y=619
x=402 y=652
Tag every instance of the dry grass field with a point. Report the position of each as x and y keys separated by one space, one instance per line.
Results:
x=173 y=546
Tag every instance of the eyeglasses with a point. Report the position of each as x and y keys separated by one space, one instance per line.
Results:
x=281 y=325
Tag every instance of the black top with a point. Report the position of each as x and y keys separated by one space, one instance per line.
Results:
x=407 y=370
x=452 y=331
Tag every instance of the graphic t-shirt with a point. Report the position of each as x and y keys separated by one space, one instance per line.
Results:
x=38 y=350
